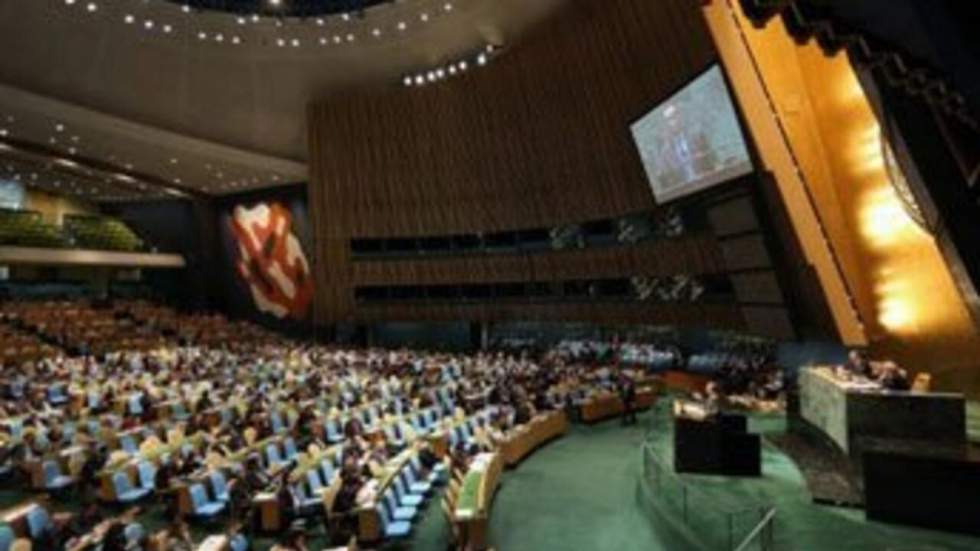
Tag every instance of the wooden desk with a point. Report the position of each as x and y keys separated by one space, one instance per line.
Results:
x=476 y=493
x=270 y=520
x=606 y=405
x=368 y=523
x=524 y=440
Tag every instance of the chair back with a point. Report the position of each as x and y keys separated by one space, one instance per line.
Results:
x=120 y=482
x=6 y=538
x=198 y=497
x=922 y=382
x=147 y=474
x=38 y=521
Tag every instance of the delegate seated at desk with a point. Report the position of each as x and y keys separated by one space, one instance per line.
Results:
x=886 y=373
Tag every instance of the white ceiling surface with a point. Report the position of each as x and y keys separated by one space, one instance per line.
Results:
x=218 y=116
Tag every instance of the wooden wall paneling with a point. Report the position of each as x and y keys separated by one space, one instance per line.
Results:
x=539 y=137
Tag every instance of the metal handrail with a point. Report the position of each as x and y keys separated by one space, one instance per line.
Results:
x=764 y=528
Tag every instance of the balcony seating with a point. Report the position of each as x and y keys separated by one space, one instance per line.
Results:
x=28 y=229
x=102 y=233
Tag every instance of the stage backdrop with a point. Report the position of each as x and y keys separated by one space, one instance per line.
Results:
x=266 y=243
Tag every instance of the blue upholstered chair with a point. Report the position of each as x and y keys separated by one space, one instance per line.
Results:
x=38 y=522
x=54 y=479
x=334 y=433
x=396 y=511
x=201 y=506
x=219 y=487
x=413 y=483
x=147 y=475
x=405 y=497
x=125 y=492
x=238 y=542
x=289 y=447
x=6 y=538
x=272 y=456
x=326 y=471
x=393 y=529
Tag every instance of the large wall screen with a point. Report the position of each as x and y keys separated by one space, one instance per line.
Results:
x=692 y=141
x=11 y=195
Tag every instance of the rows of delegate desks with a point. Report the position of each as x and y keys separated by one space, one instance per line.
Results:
x=607 y=404
x=479 y=485
x=478 y=488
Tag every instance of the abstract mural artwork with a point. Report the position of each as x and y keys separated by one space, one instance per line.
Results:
x=271 y=261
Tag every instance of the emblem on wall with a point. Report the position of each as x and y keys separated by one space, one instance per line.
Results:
x=271 y=260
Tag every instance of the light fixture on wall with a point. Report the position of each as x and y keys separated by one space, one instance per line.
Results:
x=453 y=68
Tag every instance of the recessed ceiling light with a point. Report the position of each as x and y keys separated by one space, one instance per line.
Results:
x=129 y=19
x=91 y=7
x=148 y=24
x=402 y=25
x=424 y=17
x=167 y=28
x=448 y=6
x=59 y=127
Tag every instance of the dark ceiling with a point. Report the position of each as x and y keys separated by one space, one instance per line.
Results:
x=284 y=8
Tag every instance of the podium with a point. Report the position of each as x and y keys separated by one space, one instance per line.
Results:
x=716 y=444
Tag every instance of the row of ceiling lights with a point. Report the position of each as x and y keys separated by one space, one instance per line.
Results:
x=451 y=69
x=60 y=129
x=225 y=37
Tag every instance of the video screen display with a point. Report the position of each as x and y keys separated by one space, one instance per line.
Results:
x=692 y=141
x=11 y=195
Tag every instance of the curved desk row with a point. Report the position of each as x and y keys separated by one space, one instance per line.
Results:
x=472 y=513
x=529 y=437
x=605 y=405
